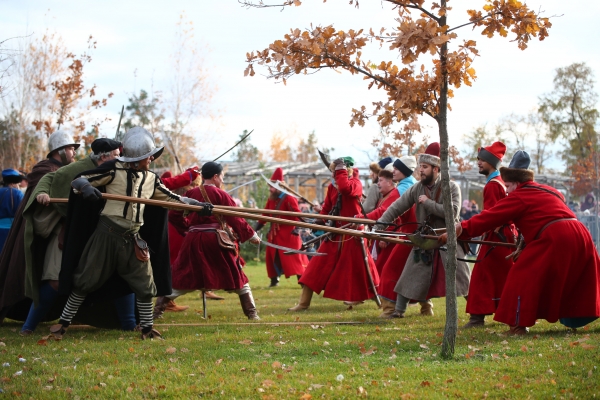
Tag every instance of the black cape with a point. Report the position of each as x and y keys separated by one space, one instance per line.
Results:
x=82 y=218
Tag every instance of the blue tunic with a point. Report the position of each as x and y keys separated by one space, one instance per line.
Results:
x=10 y=199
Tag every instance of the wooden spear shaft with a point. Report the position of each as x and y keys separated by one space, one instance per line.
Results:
x=259 y=217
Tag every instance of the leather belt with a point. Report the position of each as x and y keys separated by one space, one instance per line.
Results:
x=205 y=227
x=550 y=223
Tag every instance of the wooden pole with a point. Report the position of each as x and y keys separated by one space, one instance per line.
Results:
x=258 y=217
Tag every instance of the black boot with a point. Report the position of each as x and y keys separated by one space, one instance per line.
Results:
x=299 y=276
x=274 y=282
x=248 y=306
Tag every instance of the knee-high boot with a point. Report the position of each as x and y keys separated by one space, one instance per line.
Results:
x=248 y=306
x=305 y=299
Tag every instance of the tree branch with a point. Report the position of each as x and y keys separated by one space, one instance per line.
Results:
x=416 y=7
x=474 y=22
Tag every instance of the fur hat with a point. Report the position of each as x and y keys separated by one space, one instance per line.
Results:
x=384 y=173
x=406 y=165
x=492 y=154
x=517 y=170
x=431 y=155
x=277 y=175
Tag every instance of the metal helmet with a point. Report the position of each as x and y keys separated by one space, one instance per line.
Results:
x=59 y=140
x=138 y=144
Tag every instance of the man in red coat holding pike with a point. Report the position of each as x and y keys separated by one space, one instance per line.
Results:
x=205 y=262
x=557 y=274
x=282 y=235
x=492 y=266
x=342 y=273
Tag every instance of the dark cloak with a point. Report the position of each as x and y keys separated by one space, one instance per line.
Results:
x=82 y=218
x=13 y=303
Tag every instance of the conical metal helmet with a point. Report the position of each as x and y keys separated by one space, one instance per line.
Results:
x=138 y=144
x=59 y=140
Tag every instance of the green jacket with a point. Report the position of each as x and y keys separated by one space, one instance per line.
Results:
x=57 y=185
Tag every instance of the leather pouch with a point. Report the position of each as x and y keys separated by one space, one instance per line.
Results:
x=142 y=252
x=224 y=240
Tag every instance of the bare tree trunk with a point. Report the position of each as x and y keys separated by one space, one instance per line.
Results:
x=451 y=327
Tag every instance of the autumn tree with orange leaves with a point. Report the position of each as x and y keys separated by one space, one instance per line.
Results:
x=410 y=89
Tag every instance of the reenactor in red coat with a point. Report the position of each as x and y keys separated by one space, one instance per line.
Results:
x=492 y=265
x=341 y=274
x=282 y=235
x=556 y=275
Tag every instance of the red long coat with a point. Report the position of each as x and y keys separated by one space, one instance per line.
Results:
x=202 y=264
x=558 y=272
x=394 y=265
x=290 y=264
x=490 y=272
x=342 y=274
x=383 y=253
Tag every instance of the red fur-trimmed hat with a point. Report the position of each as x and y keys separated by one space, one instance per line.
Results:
x=492 y=154
x=277 y=175
x=431 y=155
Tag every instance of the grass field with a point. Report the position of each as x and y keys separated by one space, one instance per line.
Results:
x=326 y=352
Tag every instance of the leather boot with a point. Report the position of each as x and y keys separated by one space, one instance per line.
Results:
x=58 y=331
x=172 y=307
x=210 y=295
x=387 y=308
x=274 y=282
x=160 y=306
x=426 y=308
x=152 y=334
x=475 y=321
x=248 y=306
x=517 y=330
x=305 y=299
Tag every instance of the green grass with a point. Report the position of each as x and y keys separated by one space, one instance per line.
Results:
x=300 y=355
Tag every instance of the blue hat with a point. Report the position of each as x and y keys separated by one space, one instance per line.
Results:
x=517 y=170
x=12 y=176
x=384 y=161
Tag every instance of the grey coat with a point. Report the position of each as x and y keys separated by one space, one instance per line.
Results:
x=372 y=199
x=417 y=276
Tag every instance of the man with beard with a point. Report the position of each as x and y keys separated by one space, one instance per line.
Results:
x=207 y=260
x=423 y=276
x=492 y=266
x=342 y=273
x=13 y=302
x=282 y=235
x=556 y=275
x=116 y=245
x=42 y=272
x=373 y=193
x=392 y=267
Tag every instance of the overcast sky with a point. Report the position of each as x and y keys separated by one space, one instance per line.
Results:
x=138 y=35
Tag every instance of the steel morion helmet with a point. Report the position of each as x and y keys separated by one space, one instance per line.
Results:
x=58 y=141
x=138 y=144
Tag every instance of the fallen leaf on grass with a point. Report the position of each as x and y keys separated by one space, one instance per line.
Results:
x=276 y=364
x=424 y=346
x=170 y=350
x=586 y=346
x=267 y=383
x=523 y=348
x=425 y=383
x=219 y=361
x=306 y=396
x=245 y=341
x=316 y=386
x=361 y=391
x=42 y=342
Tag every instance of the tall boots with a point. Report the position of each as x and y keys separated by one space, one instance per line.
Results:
x=274 y=282
x=305 y=299
x=475 y=320
x=160 y=306
x=426 y=308
x=387 y=308
x=517 y=331
x=248 y=306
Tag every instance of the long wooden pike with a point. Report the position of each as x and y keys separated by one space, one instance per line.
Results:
x=256 y=217
x=235 y=145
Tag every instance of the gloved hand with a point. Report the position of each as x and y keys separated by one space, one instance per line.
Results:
x=254 y=239
x=258 y=226
x=339 y=164
x=89 y=192
x=206 y=207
